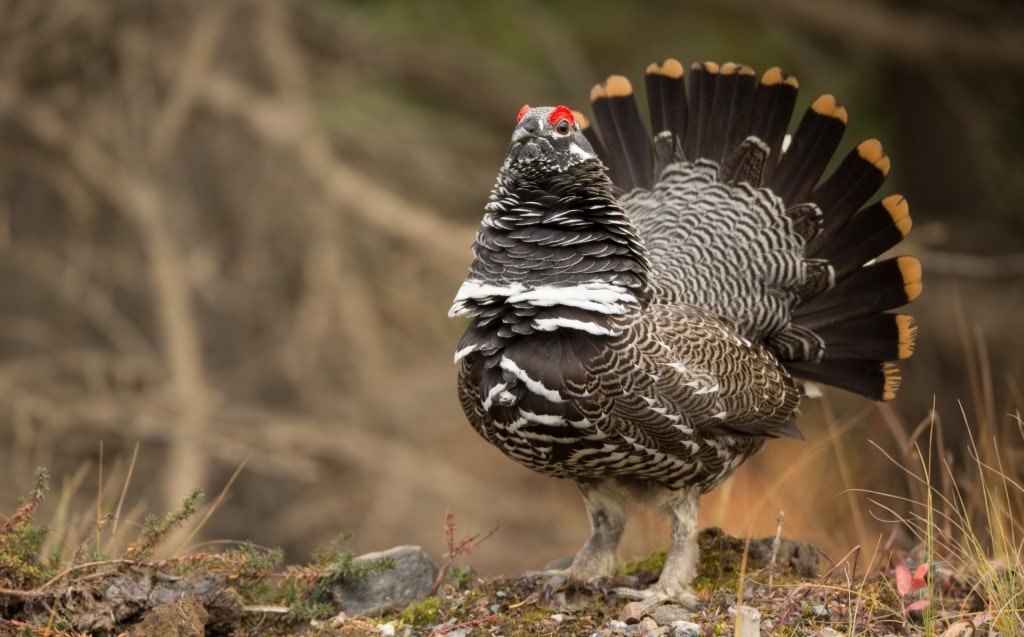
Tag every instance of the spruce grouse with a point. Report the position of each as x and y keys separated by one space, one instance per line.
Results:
x=646 y=310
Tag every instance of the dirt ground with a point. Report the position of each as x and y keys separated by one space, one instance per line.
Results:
x=784 y=589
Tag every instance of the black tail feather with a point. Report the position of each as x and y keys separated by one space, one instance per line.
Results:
x=772 y=107
x=702 y=100
x=733 y=95
x=841 y=331
x=871 y=289
x=868 y=234
x=666 y=97
x=879 y=337
x=720 y=99
x=625 y=135
x=810 y=150
x=858 y=177
x=874 y=379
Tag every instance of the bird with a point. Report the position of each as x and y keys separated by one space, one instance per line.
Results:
x=648 y=306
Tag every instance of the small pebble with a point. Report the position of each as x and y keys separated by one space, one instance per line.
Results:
x=616 y=624
x=494 y=608
x=819 y=610
x=650 y=628
x=388 y=629
x=962 y=628
x=558 y=618
x=500 y=594
x=681 y=628
x=630 y=613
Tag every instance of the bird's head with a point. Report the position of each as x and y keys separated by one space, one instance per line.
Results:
x=547 y=137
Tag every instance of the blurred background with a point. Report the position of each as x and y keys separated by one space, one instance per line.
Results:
x=230 y=232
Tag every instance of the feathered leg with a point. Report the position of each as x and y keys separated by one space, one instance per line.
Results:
x=681 y=562
x=607 y=511
x=607 y=507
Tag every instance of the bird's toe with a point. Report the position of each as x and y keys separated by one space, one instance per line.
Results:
x=651 y=598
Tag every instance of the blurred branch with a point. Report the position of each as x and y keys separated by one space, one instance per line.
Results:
x=336 y=294
x=139 y=200
x=195 y=64
x=881 y=28
x=972 y=265
x=279 y=122
x=70 y=283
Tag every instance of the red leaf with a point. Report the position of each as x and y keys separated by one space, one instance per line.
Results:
x=920 y=604
x=902 y=578
x=917 y=582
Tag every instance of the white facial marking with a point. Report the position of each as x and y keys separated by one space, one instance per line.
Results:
x=578 y=152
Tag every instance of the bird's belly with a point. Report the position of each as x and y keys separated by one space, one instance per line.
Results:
x=596 y=451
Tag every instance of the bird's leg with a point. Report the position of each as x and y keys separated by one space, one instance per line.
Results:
x=596 y=559
x=606 y=506
x=681 y=562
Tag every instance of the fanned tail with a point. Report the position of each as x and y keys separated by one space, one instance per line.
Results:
x=840 y=330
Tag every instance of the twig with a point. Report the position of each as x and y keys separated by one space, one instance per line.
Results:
x=775 y=547
x=463 y=546
x=478 y=621
x=800 y=592
x=214 y=505
x=124 y=494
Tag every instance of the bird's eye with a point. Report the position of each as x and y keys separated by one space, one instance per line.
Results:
x=562 y=127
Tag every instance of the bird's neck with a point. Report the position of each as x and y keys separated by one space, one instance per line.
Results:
x=555 y=252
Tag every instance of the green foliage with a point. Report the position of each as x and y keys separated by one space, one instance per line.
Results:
x=649 y=564
x=306 y=590
x=249 y=568
x=422 y=613
x=461 y=576
x=21 y=542
x=155 y=530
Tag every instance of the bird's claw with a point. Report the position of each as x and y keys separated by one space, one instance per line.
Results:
x=650 y=598
x=562 y=588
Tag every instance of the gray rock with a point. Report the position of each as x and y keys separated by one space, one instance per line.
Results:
x=667 y=614
x=411 y=580
x=686 y=629
x=127 y=596
x=169 y=588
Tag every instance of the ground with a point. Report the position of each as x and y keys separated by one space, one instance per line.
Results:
x=792 y=588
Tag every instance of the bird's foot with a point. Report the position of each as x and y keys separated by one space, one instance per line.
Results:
x=563 y=588
x=658 y=594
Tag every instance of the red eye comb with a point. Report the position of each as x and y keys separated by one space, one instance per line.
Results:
x=522 y=113
x=561 y=112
